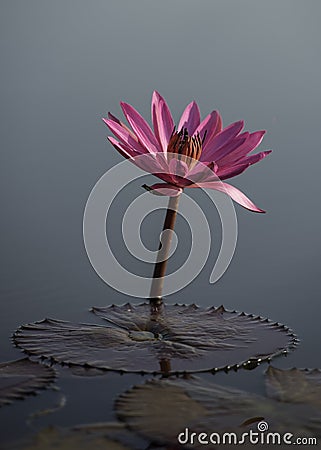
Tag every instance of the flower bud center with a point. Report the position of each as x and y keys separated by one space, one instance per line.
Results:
x=184 y=147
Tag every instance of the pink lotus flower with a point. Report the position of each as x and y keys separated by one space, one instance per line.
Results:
x=195 y=154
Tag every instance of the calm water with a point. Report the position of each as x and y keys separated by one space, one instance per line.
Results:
x=62 y=68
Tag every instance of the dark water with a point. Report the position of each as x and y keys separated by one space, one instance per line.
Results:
x=63 y=66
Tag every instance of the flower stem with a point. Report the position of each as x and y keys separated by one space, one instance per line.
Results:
x=163 y=252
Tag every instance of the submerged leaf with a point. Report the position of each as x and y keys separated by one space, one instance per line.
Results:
x=23 y=377
x=170 y=338
x=294 y=385
x=52 y=438
x=161 y=410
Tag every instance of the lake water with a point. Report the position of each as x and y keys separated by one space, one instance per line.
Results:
x=63 y=67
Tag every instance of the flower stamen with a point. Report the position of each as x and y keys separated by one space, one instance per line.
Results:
x=184 y=147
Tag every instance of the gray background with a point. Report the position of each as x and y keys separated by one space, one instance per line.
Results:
x=64 y=64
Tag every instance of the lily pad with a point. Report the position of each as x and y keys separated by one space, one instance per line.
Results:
x=161 y=410
x=23 y=377
x=53 y=438
x=149 y=339
x=294 y=386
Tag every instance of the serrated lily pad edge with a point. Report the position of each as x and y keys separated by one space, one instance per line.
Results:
x=33 y=391
x=247 y=364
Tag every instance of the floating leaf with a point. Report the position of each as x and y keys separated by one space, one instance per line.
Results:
x=171 y=338
x=23 y=377
x=106 y=436
x=294 y=385
x=161 y=410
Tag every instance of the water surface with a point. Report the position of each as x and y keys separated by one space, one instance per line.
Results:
x=63 y=68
